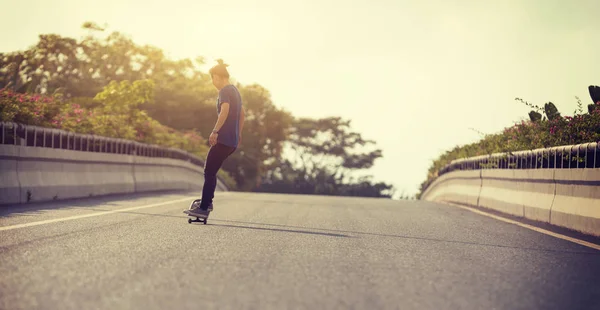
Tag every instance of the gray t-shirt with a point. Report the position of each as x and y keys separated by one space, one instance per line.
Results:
x=229 y=132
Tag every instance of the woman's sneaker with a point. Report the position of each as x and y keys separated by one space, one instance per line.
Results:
x=197 y=212
x=195 y=209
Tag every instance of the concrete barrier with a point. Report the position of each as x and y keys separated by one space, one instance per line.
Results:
x=524 y=193
x=152 y=173
x=577 y=200
x=567 y=198
x=499 y=192
x=51 y=174
x=541 y=186
x=33 y=174
x=10 y=189
x=458 y=187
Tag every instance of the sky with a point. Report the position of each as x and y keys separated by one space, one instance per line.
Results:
x=415 y=76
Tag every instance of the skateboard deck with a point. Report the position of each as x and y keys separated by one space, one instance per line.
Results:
x=201 y=218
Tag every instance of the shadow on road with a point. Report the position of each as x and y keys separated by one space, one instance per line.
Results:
x=34 y=208
x=305 y=230
x=591 y=252
x=343 y=233
x=238 y=226
x=280 y=230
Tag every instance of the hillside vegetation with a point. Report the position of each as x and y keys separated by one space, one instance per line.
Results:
x=113 y=87
x=546 y=127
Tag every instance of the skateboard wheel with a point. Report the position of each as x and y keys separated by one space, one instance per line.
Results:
x=204 y=221
x=189 y=221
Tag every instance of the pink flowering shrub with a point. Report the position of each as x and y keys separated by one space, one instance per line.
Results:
x=116 y=114
x=540 y=132
x=30 y=109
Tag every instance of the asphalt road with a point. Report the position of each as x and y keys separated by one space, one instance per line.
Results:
x=261 y=251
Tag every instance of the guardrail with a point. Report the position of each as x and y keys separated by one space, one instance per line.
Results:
x=43 y=164
x=34 y=136
x=557 y=185
x=560 y=157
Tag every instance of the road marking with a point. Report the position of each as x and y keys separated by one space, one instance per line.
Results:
x=76 y=217
x=540 y=230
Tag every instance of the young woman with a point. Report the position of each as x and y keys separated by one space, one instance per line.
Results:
x=225 y=137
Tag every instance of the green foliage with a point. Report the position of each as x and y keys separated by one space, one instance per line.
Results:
x=31 y=109
x=119 y=115
x=549 y=131
x=113 y=87
x=328 y=142
x=535 y=116
x=551 y=111
x=265 y=131
x=112 y=113
x=325 y=155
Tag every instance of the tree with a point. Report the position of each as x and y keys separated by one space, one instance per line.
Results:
x=44 y=68
x=323 y=156
x=112 y=86
x=119 y=115
x=266 y=128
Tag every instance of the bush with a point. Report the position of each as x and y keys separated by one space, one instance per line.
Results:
x=545 y=128
x=114 y=113
x=30 y=109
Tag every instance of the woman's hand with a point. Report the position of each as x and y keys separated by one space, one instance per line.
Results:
x=212 y=140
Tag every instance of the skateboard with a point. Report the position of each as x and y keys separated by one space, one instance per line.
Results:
x=201 y=218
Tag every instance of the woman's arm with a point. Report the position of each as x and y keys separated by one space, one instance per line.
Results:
x=220 y=121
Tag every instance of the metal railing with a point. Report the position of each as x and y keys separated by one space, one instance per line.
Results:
x=579 y=156
x=34 y=136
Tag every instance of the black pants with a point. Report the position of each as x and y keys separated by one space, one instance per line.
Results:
x=215 y=158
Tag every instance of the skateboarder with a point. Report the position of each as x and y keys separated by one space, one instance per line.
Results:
x=225 y=137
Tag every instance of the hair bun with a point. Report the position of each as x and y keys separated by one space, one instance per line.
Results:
x=220 y=62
